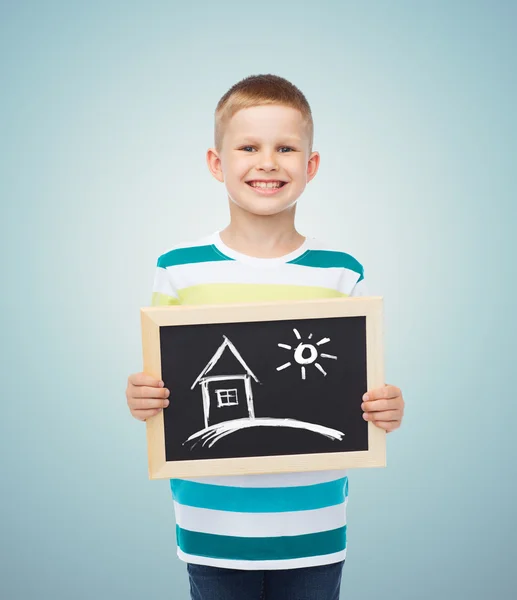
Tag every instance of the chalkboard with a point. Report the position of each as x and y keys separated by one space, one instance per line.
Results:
x=268 y=387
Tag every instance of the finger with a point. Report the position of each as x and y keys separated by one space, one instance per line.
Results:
x=380 y=405
x=385 y=392
x=143 y=415
x=139 y=379
x=147 y=403
x=149 y=392
x=385 y=415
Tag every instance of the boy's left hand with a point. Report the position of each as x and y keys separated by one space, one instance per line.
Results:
x=384 y=407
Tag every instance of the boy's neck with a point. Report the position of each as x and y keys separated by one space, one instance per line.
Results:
x=262 y=236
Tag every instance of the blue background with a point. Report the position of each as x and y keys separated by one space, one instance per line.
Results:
x=105 y=115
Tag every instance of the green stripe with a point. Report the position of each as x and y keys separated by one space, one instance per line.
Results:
x=326 y=259
x=195 y=254
x=266 y=500
x=261 y=548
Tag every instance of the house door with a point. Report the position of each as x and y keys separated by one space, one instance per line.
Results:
x=227 y=401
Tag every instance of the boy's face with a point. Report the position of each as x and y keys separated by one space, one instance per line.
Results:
x=265 y=160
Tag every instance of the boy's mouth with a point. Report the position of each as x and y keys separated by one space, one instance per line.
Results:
x=262 y=184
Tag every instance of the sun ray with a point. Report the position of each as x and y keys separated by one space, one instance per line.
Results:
x=320 y=368
x=297 y=334
x=310 y=335
x=285 y=346
x=283 y=366
x=322 y=341
x=323 y=355
x=303 y=372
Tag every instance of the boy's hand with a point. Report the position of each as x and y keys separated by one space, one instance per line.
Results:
x=384 y=407
x=145 y=395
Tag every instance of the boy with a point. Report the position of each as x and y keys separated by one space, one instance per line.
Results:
x=282 y=536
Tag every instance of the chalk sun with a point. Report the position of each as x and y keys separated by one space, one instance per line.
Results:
x=306 y=353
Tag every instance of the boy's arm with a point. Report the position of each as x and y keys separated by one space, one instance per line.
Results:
x=382 y=406
x=145 y=395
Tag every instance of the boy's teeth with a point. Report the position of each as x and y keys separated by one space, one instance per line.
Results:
x=263 y=184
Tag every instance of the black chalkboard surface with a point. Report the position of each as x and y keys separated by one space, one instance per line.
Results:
x=264 y=388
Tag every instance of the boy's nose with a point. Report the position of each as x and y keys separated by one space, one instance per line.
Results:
x=267 y=162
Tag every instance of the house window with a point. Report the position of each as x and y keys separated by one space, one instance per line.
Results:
x=227 y=397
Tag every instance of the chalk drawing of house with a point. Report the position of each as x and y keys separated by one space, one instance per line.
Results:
x=226 y=396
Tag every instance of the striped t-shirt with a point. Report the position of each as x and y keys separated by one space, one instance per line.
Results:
x=275 y=521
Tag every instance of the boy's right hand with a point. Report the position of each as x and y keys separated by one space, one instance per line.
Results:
x=145 y=395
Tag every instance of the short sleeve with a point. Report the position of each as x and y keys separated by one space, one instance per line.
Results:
x=359 y=289
x=164 y=293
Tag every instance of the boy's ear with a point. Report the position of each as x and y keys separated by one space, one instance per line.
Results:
x=313 y=165
x=214 y=164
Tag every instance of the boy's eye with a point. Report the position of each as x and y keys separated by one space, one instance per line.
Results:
x=282 y=149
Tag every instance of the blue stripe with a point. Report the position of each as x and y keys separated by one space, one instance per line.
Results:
x=195 y=254
x=251 y=500
x=256 y=548
x=325 y=259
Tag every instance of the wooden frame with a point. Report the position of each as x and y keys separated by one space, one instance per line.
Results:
x=152 y=318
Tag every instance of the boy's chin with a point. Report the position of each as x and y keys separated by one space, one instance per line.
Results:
x=263 y=208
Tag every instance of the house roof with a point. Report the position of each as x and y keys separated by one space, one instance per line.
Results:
x=213 y=361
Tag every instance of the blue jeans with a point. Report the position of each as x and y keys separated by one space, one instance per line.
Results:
x=309 y=583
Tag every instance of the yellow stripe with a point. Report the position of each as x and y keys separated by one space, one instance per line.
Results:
x=159 y=299
x=221 y=293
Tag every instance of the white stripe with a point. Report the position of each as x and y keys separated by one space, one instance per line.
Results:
x=162 y=283
x=235 y=272
x=272 y=479
x=258 y=565
x=220 y=522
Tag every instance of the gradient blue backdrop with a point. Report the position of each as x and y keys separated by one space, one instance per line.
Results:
x=105 y=115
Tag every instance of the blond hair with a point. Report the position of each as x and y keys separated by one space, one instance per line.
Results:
x=258 y=90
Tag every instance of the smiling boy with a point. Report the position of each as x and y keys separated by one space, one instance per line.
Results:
x=282 y=536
